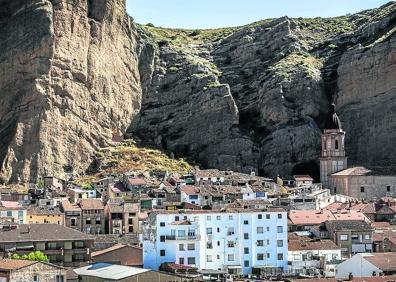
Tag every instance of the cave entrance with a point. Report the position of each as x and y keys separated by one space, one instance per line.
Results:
x=311 y=168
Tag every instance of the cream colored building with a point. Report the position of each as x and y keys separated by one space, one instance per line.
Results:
x=363 y=183
x=357 y=182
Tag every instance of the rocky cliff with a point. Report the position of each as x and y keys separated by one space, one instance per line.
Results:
x=76 y=75
x=68 y=83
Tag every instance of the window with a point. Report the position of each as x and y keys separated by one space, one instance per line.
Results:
x=279 y=243
x=191 y=247
x=218 y=229
x=209 y=258
x=260 y=243
x=208 y=218
x=177 y=218
x=36 y=278
x=344 y=237
x=246 y=263
x=246 y=251
x=98 y=220
x=209 y=231
x=268 y=228
x=230 y=231
x=73 y=222
x=130 y=221
x=191 y=260
x=218 y=217
x=231 y=244
x=209 y=245
x=388 y=188
x=246 y=236
x=162 y=238
x=367 y=237
x=162 y=253
x=267 y=216
x=162 y=224
x=260 y=216
x=51 y=246
x=181 y=247
x=260 y=256
x=260 y=230
x=336 y=144
x=279 y=229
x=280 y=256
x=59 y=278
x=181 y=260
x=246 y=222
x=218 y=256
x=279 y=216
x=230 y=257
x=230 y=217
x=361 y=189
x=268 y=255
x=218 y=243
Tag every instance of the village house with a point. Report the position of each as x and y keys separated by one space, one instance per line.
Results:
x=367 y=264
x=92 y=216
x=27 y=270
x=117 y=190
x=76 y=194
x=12 y=212
x=352 y=236
x=51 y=182
x=121 y=254
x=122 y=217
x=307 y=219
x=73 y=215
x=45 y=215
x=136 y=184
x=312 y=256
x=62 y=245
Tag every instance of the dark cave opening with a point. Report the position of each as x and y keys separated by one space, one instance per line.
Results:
x=311 y=168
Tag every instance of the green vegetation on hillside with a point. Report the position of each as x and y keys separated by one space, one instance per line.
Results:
x=182 y=37
x=127 y=156
x=298 y=62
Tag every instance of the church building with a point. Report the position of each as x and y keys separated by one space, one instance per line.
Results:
x=358 y=182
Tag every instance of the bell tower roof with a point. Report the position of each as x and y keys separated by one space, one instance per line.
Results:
x=333 y=121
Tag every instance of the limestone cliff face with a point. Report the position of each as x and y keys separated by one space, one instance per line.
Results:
x=278 y=79
x=68 y=83
x=75 y=74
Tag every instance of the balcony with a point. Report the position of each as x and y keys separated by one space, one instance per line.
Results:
x=187 y=237
x=76 y=251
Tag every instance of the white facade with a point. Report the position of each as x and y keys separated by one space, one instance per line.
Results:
x=229 y=241
x=17 y=215
x=357 y=266
x=309 y=262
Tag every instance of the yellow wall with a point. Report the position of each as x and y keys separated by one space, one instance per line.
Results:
x=55 y=219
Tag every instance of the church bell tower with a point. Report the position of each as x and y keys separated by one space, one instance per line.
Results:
x=333 y=157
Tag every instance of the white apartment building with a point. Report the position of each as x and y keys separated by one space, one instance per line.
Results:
x=238 y=241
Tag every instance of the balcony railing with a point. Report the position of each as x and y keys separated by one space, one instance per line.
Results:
x=186 y=237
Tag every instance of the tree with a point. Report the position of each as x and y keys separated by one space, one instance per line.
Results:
x=40 y=183
x=35 y=256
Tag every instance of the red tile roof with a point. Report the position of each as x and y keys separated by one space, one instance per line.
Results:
x=91 y=204
x=300 y=245
x=13 y=264
x=303 y=178
x=136 y=181
x=384 y=261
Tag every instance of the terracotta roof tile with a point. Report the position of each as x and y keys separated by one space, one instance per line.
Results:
x=91 y=204
x=13 y=264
